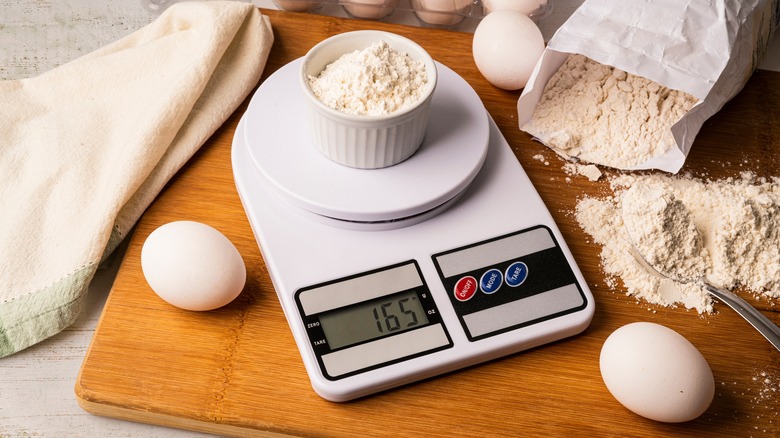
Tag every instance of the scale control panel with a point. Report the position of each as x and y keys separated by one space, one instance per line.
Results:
x=378 y=318
x=509 y=282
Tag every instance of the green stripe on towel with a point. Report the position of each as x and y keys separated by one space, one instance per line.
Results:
x=55 y=307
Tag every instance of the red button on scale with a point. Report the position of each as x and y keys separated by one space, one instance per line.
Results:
x=465 y=288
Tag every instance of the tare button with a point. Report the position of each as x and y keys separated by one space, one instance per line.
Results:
x=516 y=274
x=465 y=288
x=490 y=281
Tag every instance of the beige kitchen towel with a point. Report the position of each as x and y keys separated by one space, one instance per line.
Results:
x=85 y=148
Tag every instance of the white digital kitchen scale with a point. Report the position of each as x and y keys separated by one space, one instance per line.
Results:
x=393 y=275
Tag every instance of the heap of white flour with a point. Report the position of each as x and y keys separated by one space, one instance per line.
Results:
x=661 y=228
x=377 y=80
x=727 y=229
x=606 y=116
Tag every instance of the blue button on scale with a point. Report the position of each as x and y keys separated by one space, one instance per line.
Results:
x=491 y=281
x=516 y=274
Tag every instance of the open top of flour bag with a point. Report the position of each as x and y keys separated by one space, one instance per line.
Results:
x=706 y=51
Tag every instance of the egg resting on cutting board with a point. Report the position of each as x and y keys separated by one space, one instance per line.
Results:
x=657 y=373
x=192 y=266
x=506 y=46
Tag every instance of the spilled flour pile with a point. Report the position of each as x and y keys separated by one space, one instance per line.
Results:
x=661 y=228
x=587 y=170
x=728 y=230
x=586 y=105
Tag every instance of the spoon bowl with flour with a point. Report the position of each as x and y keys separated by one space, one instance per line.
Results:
x=665 y=241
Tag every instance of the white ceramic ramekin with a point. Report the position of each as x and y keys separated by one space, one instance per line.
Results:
x=363 y=141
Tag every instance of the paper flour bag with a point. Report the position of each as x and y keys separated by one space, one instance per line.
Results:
x=649 y=75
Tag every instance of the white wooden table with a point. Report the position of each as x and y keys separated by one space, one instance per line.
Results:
x=36 y=385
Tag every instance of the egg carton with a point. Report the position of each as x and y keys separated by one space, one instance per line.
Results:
x=428 y=13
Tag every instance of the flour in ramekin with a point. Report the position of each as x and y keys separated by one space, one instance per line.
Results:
x=738 y=220
x=377 y=80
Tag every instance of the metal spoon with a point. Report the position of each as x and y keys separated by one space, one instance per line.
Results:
x=757 y=319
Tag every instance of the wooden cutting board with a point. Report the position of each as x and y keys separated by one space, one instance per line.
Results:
x=237 y=371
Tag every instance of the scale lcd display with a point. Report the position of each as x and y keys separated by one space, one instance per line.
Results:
x=373 y=319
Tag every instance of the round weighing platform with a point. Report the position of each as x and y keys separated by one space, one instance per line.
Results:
x=450 y=157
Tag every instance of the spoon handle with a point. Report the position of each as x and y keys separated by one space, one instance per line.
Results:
x=757 y=319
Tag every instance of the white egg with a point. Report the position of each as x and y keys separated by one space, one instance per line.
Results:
x=370 y=9
x=297 y=5
x=527 y=7
x=657 y=373
x=506 y=46
x=192 y=266
x=441 y=12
